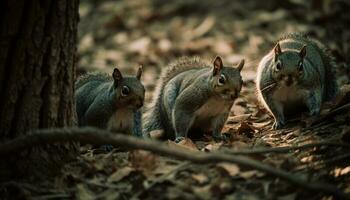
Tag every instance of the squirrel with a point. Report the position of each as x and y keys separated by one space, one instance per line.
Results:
x=297 y=75
x=110 y=102
x=193 y=97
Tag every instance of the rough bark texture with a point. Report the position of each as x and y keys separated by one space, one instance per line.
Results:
x=37 y=70
x=37 y=58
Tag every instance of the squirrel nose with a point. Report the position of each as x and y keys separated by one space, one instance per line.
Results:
x=289 y=80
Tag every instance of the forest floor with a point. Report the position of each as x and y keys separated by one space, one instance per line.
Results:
x=154 y=33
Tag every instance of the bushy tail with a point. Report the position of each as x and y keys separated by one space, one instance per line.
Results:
x=92 y=77
x=331 y=86
x=152 y=119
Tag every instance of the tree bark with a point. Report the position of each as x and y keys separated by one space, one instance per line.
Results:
x=37 y=71
x=37 y=64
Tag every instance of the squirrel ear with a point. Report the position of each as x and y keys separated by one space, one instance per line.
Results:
x=217 y=65
x=240 y=65
x=117 y=76
x=277 y=50
x=139 y=72
x=302 y=52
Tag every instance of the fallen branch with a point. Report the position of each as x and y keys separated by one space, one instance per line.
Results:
x=286 y=149
x=100 y=137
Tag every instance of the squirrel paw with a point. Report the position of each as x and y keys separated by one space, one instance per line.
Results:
x=107 y=147
x=278 y=125
x=179 y=139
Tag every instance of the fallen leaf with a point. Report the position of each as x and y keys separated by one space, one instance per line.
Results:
x=143 y=160
x=140 y=45
x=251 y=173
x=84 y=193
x=239 y=145
x=203 y=28
x=222 y=47
x=200 y=178
x=186 y=144
x=231 y=169
x=261 y=125
x=120 y=174
x=246 y=129
x=213 y=147
x=341 y=171
x=204 y=192
x=164 y=45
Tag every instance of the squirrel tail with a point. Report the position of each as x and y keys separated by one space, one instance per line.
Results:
x=101 y=77
x=152 y=119
x=331 y=86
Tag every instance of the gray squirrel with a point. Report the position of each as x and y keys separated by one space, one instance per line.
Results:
x=193 y=96
x=296 y=75
x=110 y=102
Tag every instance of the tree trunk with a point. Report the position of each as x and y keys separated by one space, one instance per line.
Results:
x=37 y=63
x=37 y=68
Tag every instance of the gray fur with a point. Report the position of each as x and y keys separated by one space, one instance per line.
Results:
x=186 y=97
x=99 y=103
x=311 y=86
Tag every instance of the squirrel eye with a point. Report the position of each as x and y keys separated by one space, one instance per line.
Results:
x=300 y=66
x=125 y=91
x=222 y=80
x=278 y=66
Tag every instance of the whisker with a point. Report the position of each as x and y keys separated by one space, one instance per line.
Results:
x=269 y=86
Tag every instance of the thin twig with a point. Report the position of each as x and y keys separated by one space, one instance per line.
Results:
x=287 y=149
x=99 y=137
x=330 y=114
x=271 y=85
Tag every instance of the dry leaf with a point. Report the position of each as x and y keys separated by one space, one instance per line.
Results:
x=186 y=143
x=250 y=174
x=143 y=160
x=222 y=47
x=231 y=169
x=140 y=45
x=239 y=145
x=213 y=147
x=246 y=129
x=341 y=171
x=200 y=178
x=120 y=174
x=84 y=193
x=261 y=125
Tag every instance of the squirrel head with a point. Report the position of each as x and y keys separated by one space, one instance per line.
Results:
x=129 y=90
x=226 y=81
x=288 y=66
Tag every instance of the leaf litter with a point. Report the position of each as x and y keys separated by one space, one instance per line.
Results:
x=153 y=33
